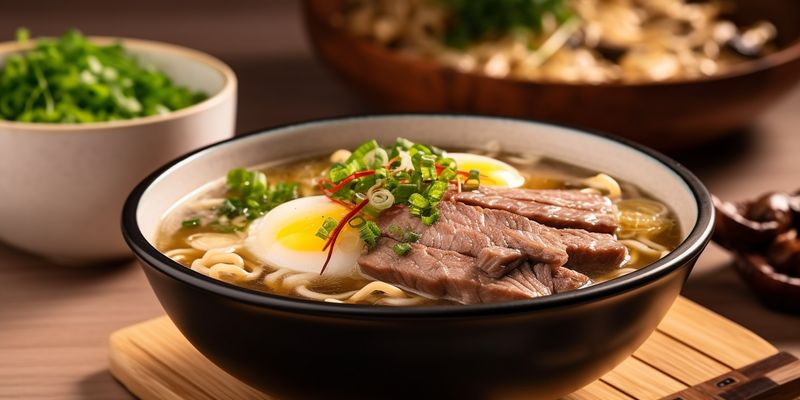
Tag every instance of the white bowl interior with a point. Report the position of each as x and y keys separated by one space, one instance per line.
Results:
x=185 y=68
x=568 y=145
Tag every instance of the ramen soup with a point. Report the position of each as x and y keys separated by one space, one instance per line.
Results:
x=408 y=224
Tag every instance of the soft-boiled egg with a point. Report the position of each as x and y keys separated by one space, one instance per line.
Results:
x=493 y=172
x=286 y=237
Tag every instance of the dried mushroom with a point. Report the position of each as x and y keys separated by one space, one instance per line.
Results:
x=763 y=234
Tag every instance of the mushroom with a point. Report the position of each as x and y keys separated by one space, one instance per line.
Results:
x=763 y=236
x=784 y=253
x=753 y=225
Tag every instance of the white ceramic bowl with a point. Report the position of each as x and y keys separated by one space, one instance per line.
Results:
x=63 y=185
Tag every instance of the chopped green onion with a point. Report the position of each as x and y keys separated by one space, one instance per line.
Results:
x=448 y=174
x=370 y=233
x=419 y=148
x=191 y=223
x=228 y=208
x=72 y=80
x=401 y=249
x=380 y=199
x=436 y=191
x=403 y=235
x=436 y=151
x=373 y=179
x=338 y=172
x=377 y=158
x=396 y=230
x=250 y=195
x=473 y=181
x=427 y=165
x=327 y=227
x=431 y=218
x=403 y=191
x=410 y=236
x=357 y=222
x=361 y=151
x=403 y=143
x=419 y=201
x=447 y=162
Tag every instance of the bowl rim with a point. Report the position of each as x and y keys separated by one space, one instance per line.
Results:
x=786 y=54
x=228 y=87
x=152 y=258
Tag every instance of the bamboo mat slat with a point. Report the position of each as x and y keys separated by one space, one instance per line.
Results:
x=641 y=381
x=598 y=390
x=678 y=360
x=691 y=346
x=713 y=335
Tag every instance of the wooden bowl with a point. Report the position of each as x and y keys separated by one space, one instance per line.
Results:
x=665 y=115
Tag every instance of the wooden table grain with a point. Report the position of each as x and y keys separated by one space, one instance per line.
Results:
x=55 y=321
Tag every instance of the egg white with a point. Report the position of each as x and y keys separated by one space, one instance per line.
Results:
x=264 y=244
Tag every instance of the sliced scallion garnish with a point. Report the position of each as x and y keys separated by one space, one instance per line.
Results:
x=373 y=179
x=401 y=249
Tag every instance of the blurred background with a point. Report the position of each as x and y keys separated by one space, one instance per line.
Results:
x=61 y=334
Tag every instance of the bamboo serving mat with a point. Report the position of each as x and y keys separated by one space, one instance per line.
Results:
x=694 y=354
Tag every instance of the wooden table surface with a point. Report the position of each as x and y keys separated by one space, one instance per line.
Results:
x=55 y=321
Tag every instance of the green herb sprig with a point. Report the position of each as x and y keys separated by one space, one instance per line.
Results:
x=71 y=80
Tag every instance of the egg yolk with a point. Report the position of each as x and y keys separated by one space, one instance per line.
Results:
x=491 y=174
x=300 y=233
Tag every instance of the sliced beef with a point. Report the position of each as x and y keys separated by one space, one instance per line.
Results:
x=500 y=239
x=556 y=197
x=496 y=261
x=473 y=234
x=592 y=253
x=588 y=252
x=559 y=279
x=560 y=209
x=450 y=275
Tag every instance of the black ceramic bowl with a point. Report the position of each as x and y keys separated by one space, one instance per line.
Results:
x=297 y=349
